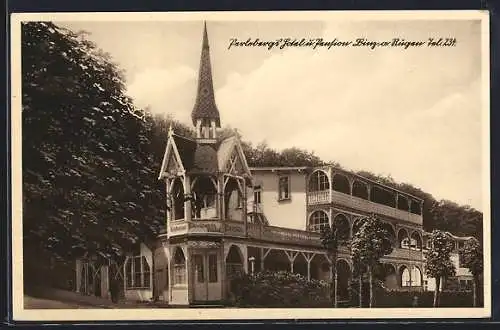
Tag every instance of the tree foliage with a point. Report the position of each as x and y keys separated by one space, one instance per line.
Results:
x=89 y=164
x=471 y=255
x=370 y=243
x=438 y=264
x=437 y=258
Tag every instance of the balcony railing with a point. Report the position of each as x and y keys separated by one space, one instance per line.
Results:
x=321 y=197
x=318 y=197
x=399 y=253
x=271 y=234
x=206 y=226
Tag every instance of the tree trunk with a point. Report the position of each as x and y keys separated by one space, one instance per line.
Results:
x=335 y=296
x=360 y=291
x=474 y=292
x=436 y=291
x=370 y=273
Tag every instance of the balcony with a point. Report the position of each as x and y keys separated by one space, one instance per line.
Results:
x=322 y=197
x=283 y=235
x=274 y=235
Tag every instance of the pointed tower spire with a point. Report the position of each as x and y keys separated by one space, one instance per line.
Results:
x=205 y=114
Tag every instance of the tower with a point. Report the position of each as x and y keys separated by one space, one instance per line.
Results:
x=205 y=114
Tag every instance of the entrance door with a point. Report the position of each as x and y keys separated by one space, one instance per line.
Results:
x=207 y=282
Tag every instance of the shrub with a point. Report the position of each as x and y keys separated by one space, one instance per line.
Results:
x=425 y=298
x=278 y=289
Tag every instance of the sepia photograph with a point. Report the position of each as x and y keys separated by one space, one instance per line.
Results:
x=259 y=165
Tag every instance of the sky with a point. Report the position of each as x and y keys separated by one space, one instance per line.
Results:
x=413 y=114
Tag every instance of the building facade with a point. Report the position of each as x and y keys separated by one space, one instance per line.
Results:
x=224 y=217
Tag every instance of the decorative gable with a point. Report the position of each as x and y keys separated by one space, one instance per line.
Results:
x=172 y=162
x=235 y=165
x=233 y=159
x=173 y=166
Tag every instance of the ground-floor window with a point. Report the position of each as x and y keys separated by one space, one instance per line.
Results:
x=179 y=267
x=466 y=284
x=413 y=279
x=138 y=273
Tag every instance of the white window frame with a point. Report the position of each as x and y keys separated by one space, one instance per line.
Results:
x=280 y=195
x=130 y=274
x=257 y=196
x=316 y=227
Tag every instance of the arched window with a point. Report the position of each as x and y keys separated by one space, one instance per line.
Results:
x=411 y=281
x=405 y=277
x=390 y=231
x=340 y=183
x=416 y=277
x=416 y=242
x=403 y=239
x=178 y=199
x=234 y=262
x=341 y=224
x=360 y=189
x=204 y=198
x=319 y=181
x=318 y=220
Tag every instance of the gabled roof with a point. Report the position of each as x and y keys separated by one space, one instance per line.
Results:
x=195 y=157
x=205 y=159
x=186 y=148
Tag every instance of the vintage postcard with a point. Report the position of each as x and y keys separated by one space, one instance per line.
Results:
x=250 y=165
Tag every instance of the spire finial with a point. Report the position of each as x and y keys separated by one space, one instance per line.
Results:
x=205 y=35
x=205 y=108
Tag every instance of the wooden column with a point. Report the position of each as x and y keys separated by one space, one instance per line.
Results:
x=187 y=197
x=104 y=281
x=308 y=257
x=292 y=255
x=78 y=277
x=263 y=254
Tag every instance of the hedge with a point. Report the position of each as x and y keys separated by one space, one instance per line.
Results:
x=287 y=290
x=278 y=289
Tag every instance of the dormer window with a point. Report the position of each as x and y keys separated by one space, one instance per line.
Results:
x=284 y=188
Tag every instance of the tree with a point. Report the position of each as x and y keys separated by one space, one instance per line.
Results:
x=370 y=243
x=330 y=241
x=89 y=173
x=471 y=256
x=437 y=260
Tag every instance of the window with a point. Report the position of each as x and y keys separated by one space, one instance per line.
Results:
x=319 y=182
x=256 y=197
x=284 y=188
x=200 y=270
x=179 y=267
x=212 y=268
x=318 y=221
x=138 y=272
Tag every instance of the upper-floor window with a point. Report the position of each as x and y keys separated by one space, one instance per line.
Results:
x=256 y=197
x=319 y=181
x=284 y=188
